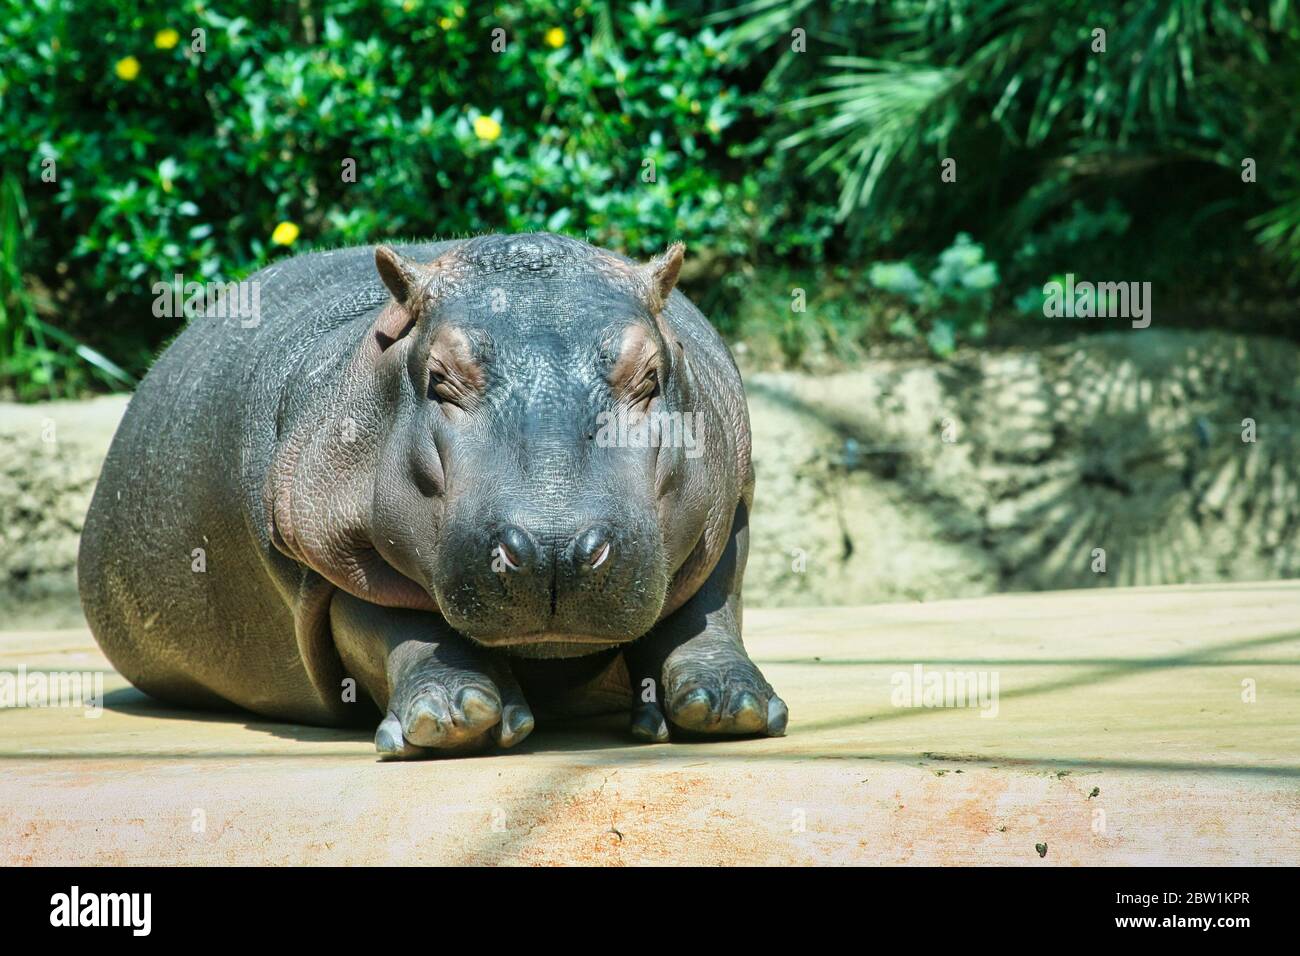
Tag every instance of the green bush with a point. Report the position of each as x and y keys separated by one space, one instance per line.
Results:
x=779 y=169
x=1143 y=110
x=171 y=161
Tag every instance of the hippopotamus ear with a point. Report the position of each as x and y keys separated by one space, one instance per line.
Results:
x=406 y=280
x=662 y=271
x=660 y=275
x=403 y=277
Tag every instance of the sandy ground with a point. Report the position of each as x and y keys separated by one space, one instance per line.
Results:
x=1121 y=736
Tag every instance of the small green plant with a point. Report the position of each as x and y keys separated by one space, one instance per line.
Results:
x=830 y=316
x=954 y=302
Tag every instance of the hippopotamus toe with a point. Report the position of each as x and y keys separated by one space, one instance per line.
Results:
x=648 y=724
x=516 y=723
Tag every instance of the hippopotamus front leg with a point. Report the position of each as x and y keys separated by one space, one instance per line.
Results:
x=438 y=691
x=694 y=667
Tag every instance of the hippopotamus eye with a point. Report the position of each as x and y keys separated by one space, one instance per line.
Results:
x=634 y=377
x=645 y=390
x=455 y=376
x=441 y=389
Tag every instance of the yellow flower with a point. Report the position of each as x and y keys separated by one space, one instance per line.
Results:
x=486 y=128
x=285 y=234
x=555 y=37
x=127 y=68
x=446 y=22
x=166 y=39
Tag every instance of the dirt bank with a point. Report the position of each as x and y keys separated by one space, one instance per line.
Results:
x=1007 y=470
x=1016 y=470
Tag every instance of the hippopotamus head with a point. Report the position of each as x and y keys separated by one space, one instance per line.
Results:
x=508 y=408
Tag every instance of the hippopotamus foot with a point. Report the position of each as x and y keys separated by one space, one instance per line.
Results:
x=710 y=686
x=692 y=672
x=440 y=693
x=445 y=701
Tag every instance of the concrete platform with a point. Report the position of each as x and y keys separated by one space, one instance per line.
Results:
x=1120 y=736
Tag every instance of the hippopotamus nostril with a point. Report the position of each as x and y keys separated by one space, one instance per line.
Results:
x=592 y=549
x=514 y=550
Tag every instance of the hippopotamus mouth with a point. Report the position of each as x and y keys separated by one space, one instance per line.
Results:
x=550 y=637
x=547 y=644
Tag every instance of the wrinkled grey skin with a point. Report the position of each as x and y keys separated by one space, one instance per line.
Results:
x=398 y=483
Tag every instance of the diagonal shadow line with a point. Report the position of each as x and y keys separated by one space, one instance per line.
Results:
x=572 y=777
x=566 y=781
x=553 y=789
x=1100 y=675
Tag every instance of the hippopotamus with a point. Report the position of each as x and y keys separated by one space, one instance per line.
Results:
x=429 y=485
